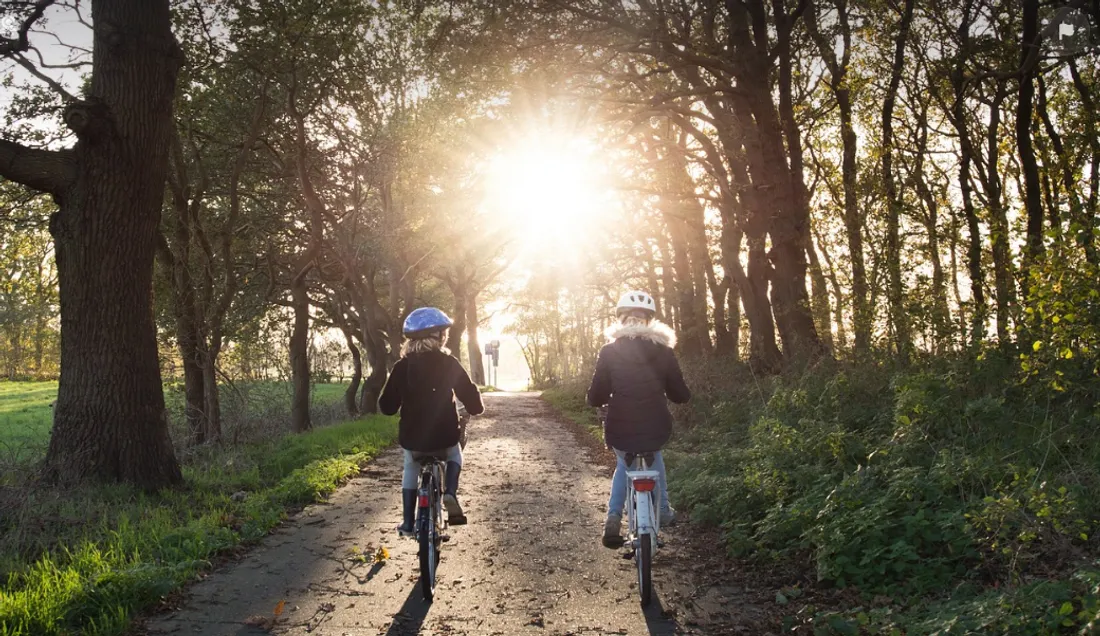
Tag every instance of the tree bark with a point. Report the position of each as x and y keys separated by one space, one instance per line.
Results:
x=109 y=418
x=299 y=357
x=1033 y=204
x=477 y=366
x=461 y=297
x=352 y=391
x=1089 y=221
x=894 y=203
x=853 y=218
x=820 y=298
x=999 y=230
x=966 y=154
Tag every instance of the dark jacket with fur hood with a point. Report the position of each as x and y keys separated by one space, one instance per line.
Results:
x=423 y=387
x=636 y=374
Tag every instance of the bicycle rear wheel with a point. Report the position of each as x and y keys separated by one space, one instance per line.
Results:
x=644 y=558
x=429 y=546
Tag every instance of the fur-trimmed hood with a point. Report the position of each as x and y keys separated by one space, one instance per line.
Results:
x=656 y=332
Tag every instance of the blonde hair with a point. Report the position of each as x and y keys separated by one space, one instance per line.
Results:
x=634 y=319
x=433 y=342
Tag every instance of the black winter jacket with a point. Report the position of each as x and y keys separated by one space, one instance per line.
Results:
x=634 y=375
x=423 y=387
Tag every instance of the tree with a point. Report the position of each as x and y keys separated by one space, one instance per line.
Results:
x=109 y=419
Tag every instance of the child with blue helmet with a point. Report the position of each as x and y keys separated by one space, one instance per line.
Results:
x=423 y=386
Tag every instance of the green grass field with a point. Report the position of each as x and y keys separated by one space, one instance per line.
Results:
x=26 y=417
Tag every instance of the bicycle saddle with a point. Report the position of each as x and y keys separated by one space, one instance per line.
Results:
x=647 y=456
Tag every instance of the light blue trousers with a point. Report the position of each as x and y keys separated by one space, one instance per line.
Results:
x=411 y=474
x=620 y=485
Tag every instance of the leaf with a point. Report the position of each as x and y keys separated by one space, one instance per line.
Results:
x=1066 y=609
x=1038 y=345
x=780 y=598
x=279 y=608
x=381 y=555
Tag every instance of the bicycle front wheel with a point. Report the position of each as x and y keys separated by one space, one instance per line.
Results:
x=644 y=559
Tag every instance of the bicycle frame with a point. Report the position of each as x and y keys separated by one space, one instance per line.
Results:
x=644 y=502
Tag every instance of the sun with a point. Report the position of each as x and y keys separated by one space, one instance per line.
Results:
x=548 y=190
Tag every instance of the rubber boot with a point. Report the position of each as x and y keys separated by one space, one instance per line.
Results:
x=455 y=517
x=408 y=504
x=611 y=532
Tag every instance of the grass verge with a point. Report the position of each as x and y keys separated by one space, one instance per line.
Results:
x=87 y=561
x=569 y=400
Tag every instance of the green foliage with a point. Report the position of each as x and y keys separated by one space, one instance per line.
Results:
x=123 y=550
x=1062 y=330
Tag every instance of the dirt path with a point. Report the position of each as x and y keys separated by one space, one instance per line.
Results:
x=529 y=561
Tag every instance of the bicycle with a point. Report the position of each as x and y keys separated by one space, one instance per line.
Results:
x=430 y=520
x=644 y=522
x=643 y=518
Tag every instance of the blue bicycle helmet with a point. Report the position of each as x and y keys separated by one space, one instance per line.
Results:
x=424 y=321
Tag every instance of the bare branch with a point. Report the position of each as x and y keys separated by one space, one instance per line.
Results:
x=33 y=70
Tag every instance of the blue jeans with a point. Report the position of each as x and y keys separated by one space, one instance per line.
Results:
x=620 y=485
x=411 y=475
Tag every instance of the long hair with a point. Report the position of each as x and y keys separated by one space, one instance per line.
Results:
x=434 y=342
x=636 y=318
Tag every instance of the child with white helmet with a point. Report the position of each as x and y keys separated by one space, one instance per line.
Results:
x=423 y=386
x=636 y=375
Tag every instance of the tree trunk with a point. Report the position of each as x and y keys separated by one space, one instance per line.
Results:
x=212 y=396
x=862 y=317
x=299 y=357
x=690 y=342
x=734 y=279
x=376 y=379
x=193 y=386
x=352 y=391
x=966 y=154
x=819 y=300
x=109 y=418
x=894 y=202
x=668 y=282
x=1033 y=204
x=999 y=230
x=941 y=314
x=1089 y=220
x=651 y=280
x=454 y=337
x=477 y=366
x=1065 y=170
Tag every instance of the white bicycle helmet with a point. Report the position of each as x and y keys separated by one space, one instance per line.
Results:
x=632 y=300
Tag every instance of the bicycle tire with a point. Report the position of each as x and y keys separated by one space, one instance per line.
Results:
x=644 y=558
x=429 y=550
